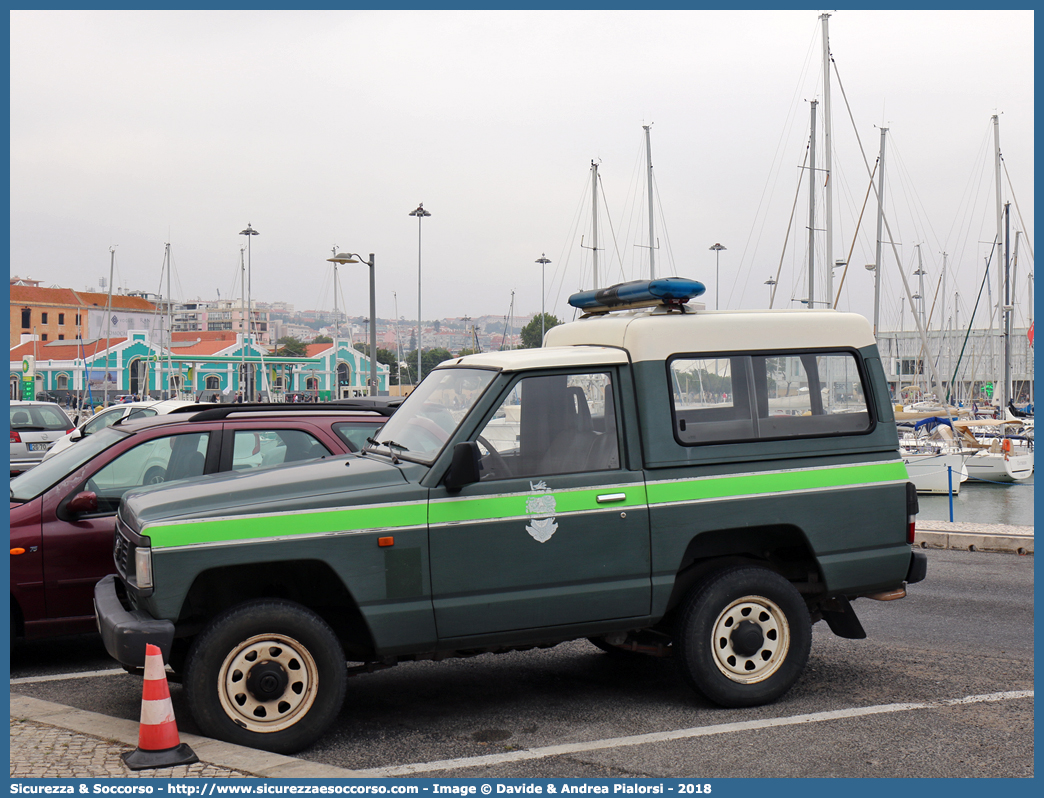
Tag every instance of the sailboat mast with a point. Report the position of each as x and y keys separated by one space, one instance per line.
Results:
x=827 y=162
x=880 y=239
x=1006 y=395
x=594 y=222
x=170 y=323
x=812 y=212
x=108 y=326
x=652 y=238
x=998 y=205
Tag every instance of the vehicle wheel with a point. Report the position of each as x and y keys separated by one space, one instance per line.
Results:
x=155 y=475
x=743 y=637
x=268 y=674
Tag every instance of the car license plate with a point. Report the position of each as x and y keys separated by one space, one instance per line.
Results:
x=39 y=447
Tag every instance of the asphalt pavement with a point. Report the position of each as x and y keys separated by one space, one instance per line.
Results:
x=50 y=740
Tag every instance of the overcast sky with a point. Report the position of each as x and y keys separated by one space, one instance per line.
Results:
x=326 y=128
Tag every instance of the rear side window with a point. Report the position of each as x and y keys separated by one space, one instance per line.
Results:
x=744 y=397
x=264 y=448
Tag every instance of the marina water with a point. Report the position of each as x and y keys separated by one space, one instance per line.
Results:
x=983 y=503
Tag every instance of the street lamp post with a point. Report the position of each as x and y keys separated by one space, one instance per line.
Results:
x=717 y=248
x=250 y=232
x=420 y=213
x=543 y=261
x=770 y=282
x=345 y=257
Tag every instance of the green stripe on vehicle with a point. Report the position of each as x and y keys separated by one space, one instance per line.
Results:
x=725 y=487
x=260 y=527
x=515 y=505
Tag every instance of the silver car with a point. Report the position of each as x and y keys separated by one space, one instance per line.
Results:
x=35 y=426
x=110 y=415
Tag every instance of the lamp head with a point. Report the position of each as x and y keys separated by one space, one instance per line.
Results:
x=343 y=257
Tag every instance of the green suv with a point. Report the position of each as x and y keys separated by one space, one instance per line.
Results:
x=704 y=485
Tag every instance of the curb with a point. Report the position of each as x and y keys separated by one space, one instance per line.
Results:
x=249 y=761
x=974 y=537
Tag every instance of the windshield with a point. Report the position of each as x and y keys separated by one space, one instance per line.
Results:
x=52 y=471
x=427 y=419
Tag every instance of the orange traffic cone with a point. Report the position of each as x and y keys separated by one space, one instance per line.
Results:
x=158 y=743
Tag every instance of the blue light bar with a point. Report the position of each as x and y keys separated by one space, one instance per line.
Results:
x=665 y=290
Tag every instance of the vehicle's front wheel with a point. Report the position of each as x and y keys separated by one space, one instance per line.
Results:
x=268 y=674
x=743 y=637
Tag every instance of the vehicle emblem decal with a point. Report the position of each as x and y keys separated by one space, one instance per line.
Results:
x=542 y=505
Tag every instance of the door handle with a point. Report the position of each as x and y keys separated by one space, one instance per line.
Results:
x=606 y=498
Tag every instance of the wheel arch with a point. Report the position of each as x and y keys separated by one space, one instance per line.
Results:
x=782 y=548
x=310 y=583
x=17 y=619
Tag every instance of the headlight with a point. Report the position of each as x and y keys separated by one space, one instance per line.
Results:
x=143 y=567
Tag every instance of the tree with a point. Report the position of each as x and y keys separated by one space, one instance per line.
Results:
x=289 y=346
x=531 y=332
x=430 y=358
x=322 y=339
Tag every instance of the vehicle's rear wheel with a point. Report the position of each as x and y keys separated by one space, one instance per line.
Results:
x=268 y=674
x=743 y=637
x=155 y=476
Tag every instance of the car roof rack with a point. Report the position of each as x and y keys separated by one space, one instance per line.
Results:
x=212 y=412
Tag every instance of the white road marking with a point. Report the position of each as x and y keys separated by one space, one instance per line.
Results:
x=682 y=734
x=57 y=677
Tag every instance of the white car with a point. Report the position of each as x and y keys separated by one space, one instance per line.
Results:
x=110 y=415
x=35 y=428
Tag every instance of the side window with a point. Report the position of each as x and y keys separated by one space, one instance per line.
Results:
x=765 y=397
x=264 y=448
x=355 y=434
x=150 y=463
x=555 y=424
x=711 y=399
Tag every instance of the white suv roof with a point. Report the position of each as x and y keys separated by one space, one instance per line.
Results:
x=546 y=357
x=657 y=334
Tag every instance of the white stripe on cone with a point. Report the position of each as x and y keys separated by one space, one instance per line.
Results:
x=153 y=713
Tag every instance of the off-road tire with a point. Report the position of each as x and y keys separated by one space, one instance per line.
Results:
x=266 y=674
x=743 y=636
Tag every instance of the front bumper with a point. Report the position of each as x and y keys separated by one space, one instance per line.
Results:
x=126 y=632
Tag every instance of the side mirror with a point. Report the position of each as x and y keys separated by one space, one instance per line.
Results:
x=86 y=502
x=76 y=434
x=464 y=468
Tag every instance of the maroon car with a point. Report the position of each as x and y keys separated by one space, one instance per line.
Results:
x=63 y=511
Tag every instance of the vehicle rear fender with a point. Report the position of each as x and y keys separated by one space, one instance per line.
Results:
x=782 y=548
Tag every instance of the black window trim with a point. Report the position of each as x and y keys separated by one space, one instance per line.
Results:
x=748 y=355
x=611 y=370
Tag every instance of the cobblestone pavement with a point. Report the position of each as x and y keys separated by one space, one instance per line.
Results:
x=50 y=740
x=42 y=751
